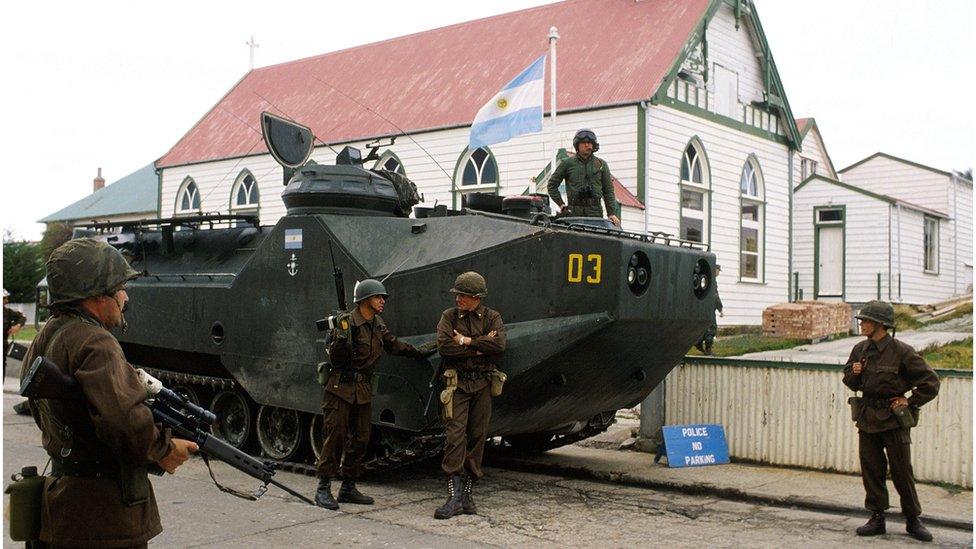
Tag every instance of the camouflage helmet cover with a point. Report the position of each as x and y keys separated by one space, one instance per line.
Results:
x=878 y=311
x=86 y=268
x=368 y=288
x=470 y=283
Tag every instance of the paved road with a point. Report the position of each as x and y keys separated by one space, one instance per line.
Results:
x=518 y=509
x=838 y=350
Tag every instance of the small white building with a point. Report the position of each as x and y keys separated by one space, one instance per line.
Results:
x=683 y=95
x=131 y=198
x=892 y=230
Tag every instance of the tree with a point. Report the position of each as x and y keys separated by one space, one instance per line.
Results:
x=23 y=268
x=55 y=235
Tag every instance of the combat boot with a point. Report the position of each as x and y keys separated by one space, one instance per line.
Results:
x=349 y=494
x=875 y=526
x=915 y=528
x=323 y=495
x=453 y=505
x=467 y=502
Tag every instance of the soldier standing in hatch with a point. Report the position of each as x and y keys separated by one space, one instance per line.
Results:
x=348 y=397
x=588 y=181
x=98 y=494
x=13 y=321
x=885 y=369
x=708 y=338
x=470 y=339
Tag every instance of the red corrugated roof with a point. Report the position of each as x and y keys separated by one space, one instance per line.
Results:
x=801 y=124
x=624 y=196
x=610 y=51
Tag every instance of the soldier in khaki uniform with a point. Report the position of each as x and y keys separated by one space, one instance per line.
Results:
x=885 y=369
x=588 y=181
x=348 y=397
x=470 y=339
x=98 y=494
x=13 y=321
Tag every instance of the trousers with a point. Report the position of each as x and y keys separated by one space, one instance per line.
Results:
x=466 y=433
x=346 y=428
x=878 y=451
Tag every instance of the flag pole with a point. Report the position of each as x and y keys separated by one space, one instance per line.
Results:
x=553 y=38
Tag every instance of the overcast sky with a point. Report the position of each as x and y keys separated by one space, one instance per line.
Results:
x=115 y=84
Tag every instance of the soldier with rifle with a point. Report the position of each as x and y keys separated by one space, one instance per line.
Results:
x=103 y=445
x=356 y=343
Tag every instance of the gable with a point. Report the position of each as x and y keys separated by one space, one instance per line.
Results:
x=440 y=78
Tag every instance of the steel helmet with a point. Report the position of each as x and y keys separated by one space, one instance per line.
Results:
x=86 y=268
x=470 y=283
x=368 y=288
x=878 y=311
x=585 y=135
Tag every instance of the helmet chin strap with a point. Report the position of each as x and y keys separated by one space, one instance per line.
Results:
x=123 y=324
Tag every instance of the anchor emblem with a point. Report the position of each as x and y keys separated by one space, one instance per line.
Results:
x=293 y=265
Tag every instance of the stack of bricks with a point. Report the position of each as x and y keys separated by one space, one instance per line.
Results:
x=806 y=319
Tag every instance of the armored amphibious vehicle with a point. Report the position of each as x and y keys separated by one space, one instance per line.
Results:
x=227 y=311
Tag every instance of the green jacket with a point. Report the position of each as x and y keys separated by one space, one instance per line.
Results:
x=579 y=174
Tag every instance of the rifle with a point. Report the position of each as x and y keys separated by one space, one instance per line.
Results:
x=187 y=420
x=334 y=320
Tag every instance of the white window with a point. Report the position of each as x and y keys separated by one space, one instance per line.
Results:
x=808 y=167
x=751 y=222
x=188 y=199
x=390 y=162
x=931 y=244
x=694 y=194
x=479 y=172
x=244 y=194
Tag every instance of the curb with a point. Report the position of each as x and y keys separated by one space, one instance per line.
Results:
x=528 y=465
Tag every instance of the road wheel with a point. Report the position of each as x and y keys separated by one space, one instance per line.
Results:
x=235 y=418
x=280 y=432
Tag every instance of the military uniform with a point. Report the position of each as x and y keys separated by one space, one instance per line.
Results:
x=98 y=494
x=890 y=368
x=708 y=338
x=11 y=318
x=467 y=430
x=347 y=400
x=588 y=182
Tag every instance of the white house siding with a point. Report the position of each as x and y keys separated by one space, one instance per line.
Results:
x=518 y=161
x=883 y=175
x=734 y=50
x=669 y=132
x=917 y=286
x=961 y=229
x=865 y=235
x=813 y=149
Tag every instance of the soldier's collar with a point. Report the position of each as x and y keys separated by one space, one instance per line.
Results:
x=881 y=345
x=480 y=311
x=358 y=319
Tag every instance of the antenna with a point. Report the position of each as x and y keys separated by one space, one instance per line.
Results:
x=395 y=269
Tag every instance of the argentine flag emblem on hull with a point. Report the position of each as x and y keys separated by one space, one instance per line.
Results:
x=516 y=110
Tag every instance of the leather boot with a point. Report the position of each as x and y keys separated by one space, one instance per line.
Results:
x=467 y=502
x=875 y=526
x=453 y=505
x=323 y=495
x=914 y=527
x=349 y=494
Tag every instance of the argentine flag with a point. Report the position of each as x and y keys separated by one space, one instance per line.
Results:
x=515 y=110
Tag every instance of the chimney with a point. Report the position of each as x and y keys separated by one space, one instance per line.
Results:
x=99 y=182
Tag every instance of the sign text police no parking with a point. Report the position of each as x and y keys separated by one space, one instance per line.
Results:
x=695 y=445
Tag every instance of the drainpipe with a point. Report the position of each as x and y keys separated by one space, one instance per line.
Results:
x=889 y=253
x=898 y=237
x=955 y=236
x=646 y=197
x=789 y=247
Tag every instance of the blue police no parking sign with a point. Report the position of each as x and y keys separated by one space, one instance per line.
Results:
x=695 y=445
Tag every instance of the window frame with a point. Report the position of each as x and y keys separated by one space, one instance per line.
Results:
x=385 y=157
x=184 y=186
x=704 y=188
x=759 y=224
x=238 y=183
x=458 y=189
x=926 y=267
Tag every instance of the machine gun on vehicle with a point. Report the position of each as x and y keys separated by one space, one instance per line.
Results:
x=45 y=379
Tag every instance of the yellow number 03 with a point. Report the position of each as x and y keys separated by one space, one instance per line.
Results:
x=575 y=268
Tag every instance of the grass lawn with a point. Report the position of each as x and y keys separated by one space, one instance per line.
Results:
x=957 y=355
x=26 y=333
x=748 y=343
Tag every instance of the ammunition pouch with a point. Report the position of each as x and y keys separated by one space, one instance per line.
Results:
x=907 y=416
x=323 y=369
x=26 y=502
x=447 y=395
x=135 y=484
x=857 y=407
x=498 y=379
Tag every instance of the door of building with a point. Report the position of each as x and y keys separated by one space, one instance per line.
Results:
x=831 y=262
